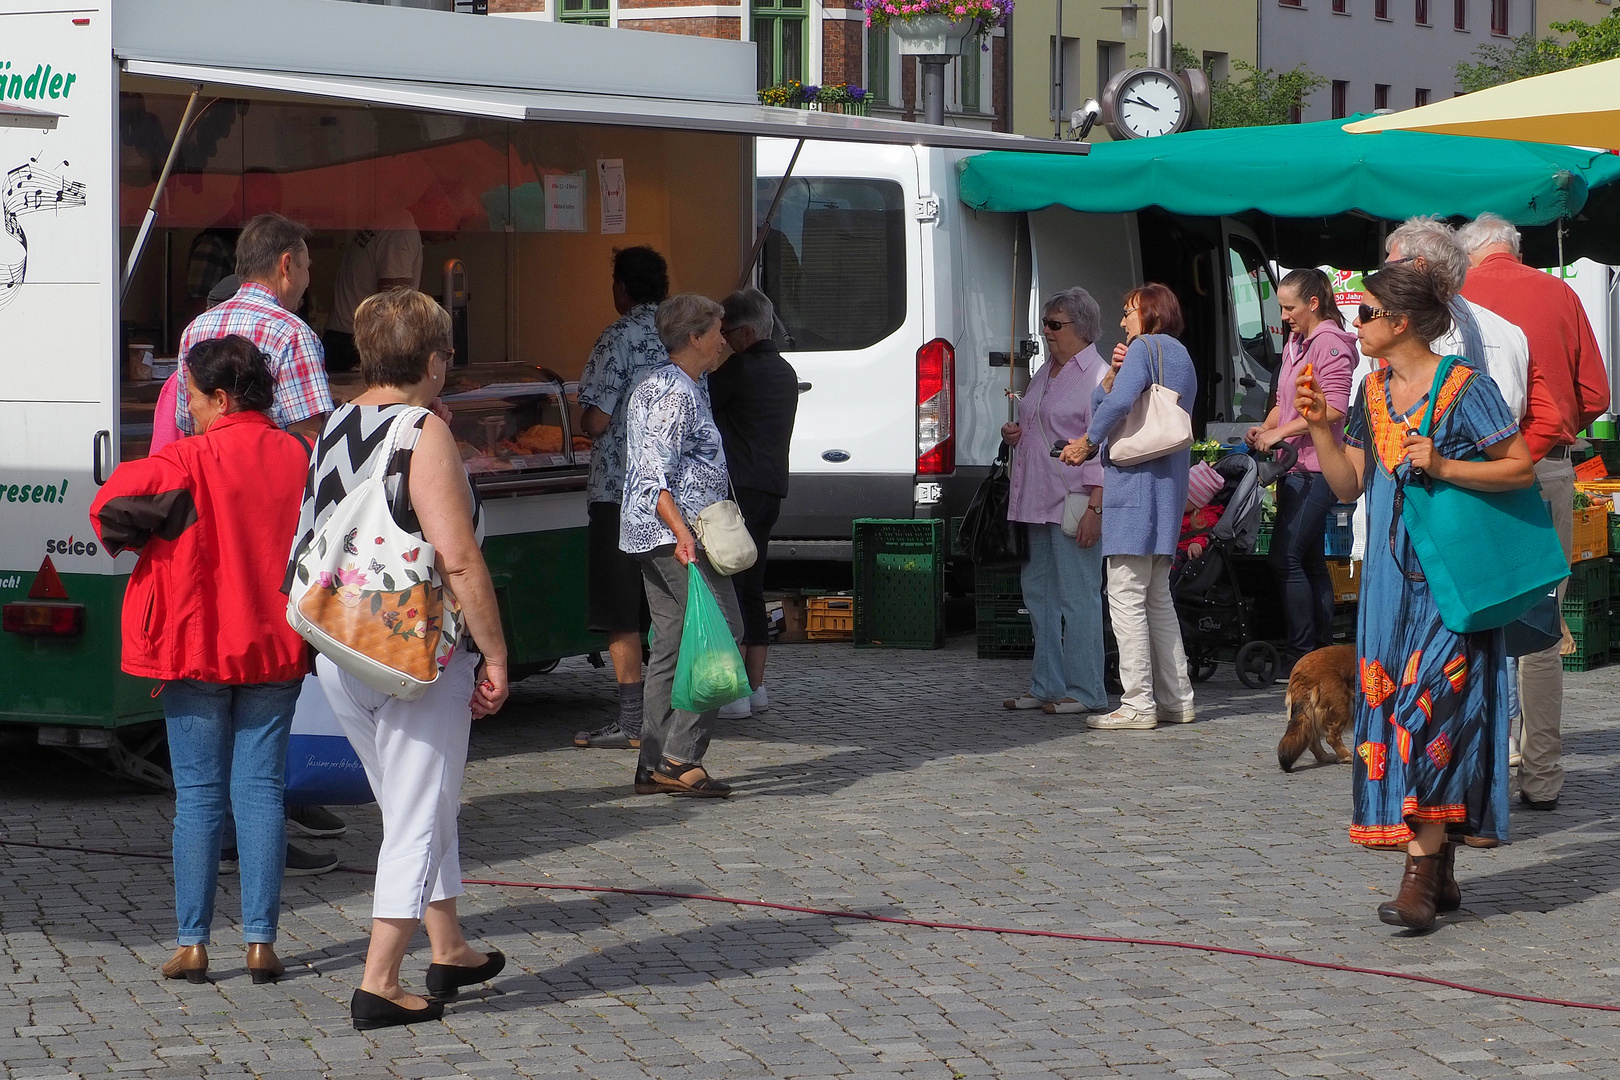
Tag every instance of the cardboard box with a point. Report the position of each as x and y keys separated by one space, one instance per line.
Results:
x=788 y=616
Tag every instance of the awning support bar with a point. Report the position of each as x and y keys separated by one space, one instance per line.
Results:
x=770 y=216
x=157 y=193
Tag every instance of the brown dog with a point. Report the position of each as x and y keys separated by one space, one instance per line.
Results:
x=1321 y=704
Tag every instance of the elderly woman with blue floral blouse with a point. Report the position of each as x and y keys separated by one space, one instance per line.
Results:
x=674 y=468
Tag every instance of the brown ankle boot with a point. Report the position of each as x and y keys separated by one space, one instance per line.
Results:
x=1413 y=906
x=189 y=962
x=263 y=964
x=1448 y=894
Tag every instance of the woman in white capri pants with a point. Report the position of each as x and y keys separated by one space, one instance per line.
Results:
x=414 y=752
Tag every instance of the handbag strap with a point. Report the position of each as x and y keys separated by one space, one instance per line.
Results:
x=1158 y=357
x=1403 y=476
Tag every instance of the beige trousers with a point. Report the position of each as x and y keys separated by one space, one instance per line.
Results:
x=1152 y=662
x=1541 y=675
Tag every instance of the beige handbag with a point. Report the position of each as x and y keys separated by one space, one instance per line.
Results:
x=1156 y=426
x=721 y=531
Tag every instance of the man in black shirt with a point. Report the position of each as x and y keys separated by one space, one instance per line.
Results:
x=755 y=397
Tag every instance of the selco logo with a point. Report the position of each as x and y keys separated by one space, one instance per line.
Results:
x=71 y=546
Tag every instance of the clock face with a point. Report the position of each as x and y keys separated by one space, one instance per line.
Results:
x=1151 y=103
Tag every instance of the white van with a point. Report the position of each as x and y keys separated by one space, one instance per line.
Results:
x=902 y=305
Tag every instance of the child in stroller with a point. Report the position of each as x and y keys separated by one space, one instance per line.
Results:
x=1215 y=617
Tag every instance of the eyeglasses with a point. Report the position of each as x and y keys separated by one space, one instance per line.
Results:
x=448 y=354
x=1130 y=311
x=1054 y=325
x=1368 y=313
x=1397 y=262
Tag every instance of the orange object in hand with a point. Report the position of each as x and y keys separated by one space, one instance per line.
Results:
x=1310 y=370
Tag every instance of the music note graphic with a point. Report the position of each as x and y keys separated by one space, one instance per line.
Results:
x=30 y=189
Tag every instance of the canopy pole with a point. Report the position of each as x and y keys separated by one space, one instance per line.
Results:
x=1561 y=263
x=1012 y=330
x=157 y=193
x=770 y=215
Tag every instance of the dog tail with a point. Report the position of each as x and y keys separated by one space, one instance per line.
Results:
x=1297 y=737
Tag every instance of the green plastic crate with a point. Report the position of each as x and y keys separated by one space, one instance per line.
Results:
x=1614 y=541
x=899 y=567
x=1591 y=645
x=1588 y=582
x=1262 y=543
x=1006 y=640
x=1579 y=616
x=998 y=580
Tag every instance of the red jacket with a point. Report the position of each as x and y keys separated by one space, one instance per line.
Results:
x=213 y=517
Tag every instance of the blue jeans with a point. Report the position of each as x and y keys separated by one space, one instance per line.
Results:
x=229 y=744
x=1063 y=591
x=1298 y=562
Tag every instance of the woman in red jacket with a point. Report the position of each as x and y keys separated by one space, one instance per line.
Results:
x=211 y=517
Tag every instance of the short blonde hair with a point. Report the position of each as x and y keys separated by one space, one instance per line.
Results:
x=682 y=317
x=396 y=332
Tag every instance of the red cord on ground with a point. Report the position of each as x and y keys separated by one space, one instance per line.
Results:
x=861 y=916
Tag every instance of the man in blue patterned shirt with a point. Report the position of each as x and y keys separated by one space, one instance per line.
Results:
x=626 y=353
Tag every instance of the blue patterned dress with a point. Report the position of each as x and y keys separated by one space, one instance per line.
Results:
x=1431 y=715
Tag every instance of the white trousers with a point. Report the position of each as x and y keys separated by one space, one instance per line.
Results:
x=1152 y=661
x=414 y=753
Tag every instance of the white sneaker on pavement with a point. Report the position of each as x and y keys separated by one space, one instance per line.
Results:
x=1513 y=753
x=759 y=700
x=1170 y=716
x=1125 y=719
x=1023 y=701
x=737 y=709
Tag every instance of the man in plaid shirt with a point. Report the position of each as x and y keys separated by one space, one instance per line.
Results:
x=272 y=259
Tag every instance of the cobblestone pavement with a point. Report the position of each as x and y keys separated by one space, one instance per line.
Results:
x=889 y=782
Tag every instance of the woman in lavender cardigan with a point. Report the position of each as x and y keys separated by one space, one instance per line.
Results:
x=1141 y=523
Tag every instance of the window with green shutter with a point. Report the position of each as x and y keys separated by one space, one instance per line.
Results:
x=779 y=35
x=877 y=64
x=586 y=12
x=972 y=68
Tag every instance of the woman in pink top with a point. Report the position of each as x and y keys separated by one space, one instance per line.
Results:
x=1062 y=581
x=1319 y=340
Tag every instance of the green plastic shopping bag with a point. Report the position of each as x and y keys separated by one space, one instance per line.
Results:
x=709 y=672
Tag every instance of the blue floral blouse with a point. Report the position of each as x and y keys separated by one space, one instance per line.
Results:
x=626 y=353
x=672 y=444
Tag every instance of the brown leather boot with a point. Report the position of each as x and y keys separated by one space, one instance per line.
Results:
x=1413 y=906
x=263 y=964
x=189 y=962
x=1448 y=894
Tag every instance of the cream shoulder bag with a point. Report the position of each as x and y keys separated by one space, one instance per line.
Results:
x=1156 y=426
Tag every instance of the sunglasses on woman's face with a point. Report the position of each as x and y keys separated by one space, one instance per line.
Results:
x=1054 y=325
x=1368 y=314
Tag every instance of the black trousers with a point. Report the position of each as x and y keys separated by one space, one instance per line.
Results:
x=759 y=512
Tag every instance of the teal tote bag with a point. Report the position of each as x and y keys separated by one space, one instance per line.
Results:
x=1488 y=556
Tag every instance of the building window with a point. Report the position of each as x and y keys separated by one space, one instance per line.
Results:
x=1420 y=96
x=877 y=64
x=780 y=39
x=1217 y=66
x=971 y=68
x=1423 y=12
x=1341 y=7
x=1111 y=60
x=1381 y=95
x=585 y=12
x=1499 y=17
x=1341 y=90
x=1291 y=3
x=1459 y=14
x=1381 y=9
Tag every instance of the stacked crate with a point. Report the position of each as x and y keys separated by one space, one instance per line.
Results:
x=1586 y=613
x=1001 y=619
x=899 y=570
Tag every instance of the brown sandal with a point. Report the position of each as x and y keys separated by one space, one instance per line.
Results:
x=671 y=776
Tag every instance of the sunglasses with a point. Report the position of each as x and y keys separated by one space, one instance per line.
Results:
x=1368 y=313
x=1054 y=325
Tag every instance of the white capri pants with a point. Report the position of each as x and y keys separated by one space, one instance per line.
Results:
x=415 y=754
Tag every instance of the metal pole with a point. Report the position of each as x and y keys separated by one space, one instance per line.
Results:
x=157 y=193
x=932 y=69
x=1057 y=74
x=770 y=215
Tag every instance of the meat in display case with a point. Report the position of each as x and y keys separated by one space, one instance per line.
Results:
x=520 y=433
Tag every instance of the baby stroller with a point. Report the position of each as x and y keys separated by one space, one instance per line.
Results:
x=1214 y=614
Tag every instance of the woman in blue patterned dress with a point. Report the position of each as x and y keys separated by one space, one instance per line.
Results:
x=1431 y=719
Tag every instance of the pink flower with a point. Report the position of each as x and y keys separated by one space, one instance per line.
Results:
x=960 y=10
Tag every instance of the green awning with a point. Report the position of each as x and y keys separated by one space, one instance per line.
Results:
x=1319 y=190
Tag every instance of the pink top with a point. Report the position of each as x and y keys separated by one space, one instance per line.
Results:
x=1061 y=405
x=1333 y=352
x=164 y=429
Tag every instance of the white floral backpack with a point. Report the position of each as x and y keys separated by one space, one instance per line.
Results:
x=368 y=595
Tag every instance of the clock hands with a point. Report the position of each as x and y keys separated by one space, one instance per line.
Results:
x=1141 y=101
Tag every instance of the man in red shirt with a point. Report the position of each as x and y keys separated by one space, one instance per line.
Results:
x=1569 y=388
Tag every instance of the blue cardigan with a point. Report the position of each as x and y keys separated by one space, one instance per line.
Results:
x=1143 y=504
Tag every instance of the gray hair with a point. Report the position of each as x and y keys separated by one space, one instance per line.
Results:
x=681 y=317
x=1081 y=309
x=1488 y=229
x=1433 y=241
x=263 y=242
x=753 y=309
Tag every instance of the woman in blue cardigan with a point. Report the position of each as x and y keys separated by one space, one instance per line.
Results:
x=1141 y=521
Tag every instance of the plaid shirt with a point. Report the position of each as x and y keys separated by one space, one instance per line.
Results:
x=297 y=361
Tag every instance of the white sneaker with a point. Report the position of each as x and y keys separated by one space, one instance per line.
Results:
x=1170 y=716
x=1513 y=753
x=1122 y=718
x=736 y=710
x=759 y=700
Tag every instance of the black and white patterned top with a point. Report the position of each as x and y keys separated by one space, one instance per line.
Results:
x=345 y=454
x=673 y=445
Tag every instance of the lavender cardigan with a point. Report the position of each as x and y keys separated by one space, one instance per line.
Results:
x=1143 y=504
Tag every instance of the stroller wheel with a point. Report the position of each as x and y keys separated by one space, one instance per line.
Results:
x=1257 y=664
x=1200 y=667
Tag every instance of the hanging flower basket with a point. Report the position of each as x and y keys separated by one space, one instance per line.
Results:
x=833 y=97
x=937 y=27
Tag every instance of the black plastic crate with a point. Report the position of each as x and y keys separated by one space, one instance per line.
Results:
x=899 y=567
x=1009 y=639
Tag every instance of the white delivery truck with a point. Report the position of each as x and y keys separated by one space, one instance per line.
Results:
x=903 y=304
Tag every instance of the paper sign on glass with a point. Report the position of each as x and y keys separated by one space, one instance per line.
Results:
x=610 y=178
x=565 y=202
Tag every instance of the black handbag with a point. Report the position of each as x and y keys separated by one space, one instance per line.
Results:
x=986 y=536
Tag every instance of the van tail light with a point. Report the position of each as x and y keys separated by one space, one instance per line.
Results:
x=43 y=619
x=936 y=408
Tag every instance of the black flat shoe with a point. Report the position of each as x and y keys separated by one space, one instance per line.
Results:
x=371 y=1012
x=1539 y=804
x=645 y=784
x=444 y=981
